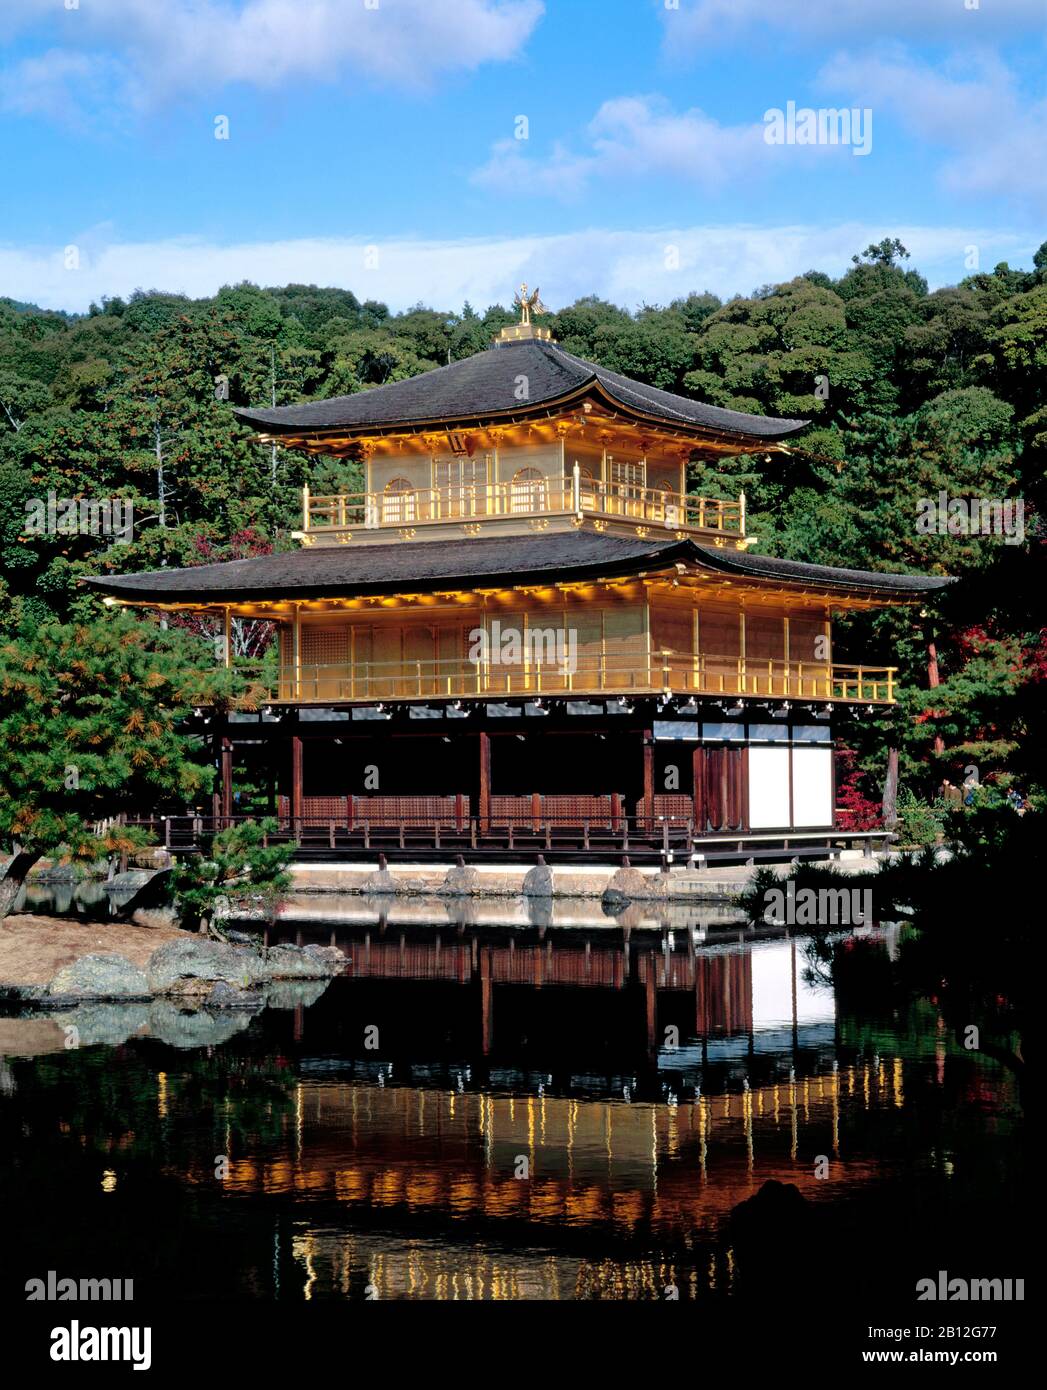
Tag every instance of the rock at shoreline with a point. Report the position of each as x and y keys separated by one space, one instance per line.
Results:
x=303 y=962
x=100 y=977
x=189 y=968
x=192 y=973
x=538 y=882
x=381 y=881
x=461 y=880
x=625 y=885
x=174 y=965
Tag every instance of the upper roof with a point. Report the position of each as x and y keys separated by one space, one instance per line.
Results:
x=491 y=561
x=487 y=386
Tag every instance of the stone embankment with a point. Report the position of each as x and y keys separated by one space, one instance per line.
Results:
x=611 y=883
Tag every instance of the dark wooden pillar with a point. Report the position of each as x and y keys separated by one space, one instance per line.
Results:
x=698 y=770
x=296 y=776
x=648 y=779
x=227 y=778
x=714 y=798
x=484 y=800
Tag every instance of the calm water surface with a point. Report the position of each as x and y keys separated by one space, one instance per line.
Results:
x=517 y=1112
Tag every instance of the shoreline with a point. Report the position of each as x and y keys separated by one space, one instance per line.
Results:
x=55 y=963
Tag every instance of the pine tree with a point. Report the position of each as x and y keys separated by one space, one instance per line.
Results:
x=88 y=730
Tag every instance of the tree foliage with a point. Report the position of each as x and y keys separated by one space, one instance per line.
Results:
x=88 y=730
x=239 y=863
x=910 y=393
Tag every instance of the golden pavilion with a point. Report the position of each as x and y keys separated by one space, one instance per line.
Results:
x=525 y=631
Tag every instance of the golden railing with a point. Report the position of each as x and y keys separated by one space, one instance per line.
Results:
x=706 y=674
x=655 y=506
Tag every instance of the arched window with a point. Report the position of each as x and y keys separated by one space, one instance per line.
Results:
x=398 y=503
x=527 y=492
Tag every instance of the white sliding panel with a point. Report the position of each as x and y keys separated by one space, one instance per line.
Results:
x=769 y=788
x=812 y=787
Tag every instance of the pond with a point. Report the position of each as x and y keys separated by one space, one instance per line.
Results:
x=478 y=1111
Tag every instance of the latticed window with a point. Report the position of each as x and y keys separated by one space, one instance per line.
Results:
x=527 y=492
x=448 y=473
x=627 y=474
x=399 y=503
x=462 y=485
x=627 y=480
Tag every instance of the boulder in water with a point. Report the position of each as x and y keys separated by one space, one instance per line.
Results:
x=175 y=963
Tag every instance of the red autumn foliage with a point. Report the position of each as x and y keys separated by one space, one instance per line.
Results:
x=854 y=809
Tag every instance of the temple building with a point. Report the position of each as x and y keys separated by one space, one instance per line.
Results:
x=524 y=630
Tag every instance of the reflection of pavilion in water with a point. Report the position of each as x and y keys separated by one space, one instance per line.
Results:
x=407 y=1162
x=411 y=1167
x=731 y=999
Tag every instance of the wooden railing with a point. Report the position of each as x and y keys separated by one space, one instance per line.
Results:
x=675 y=673
x=656 y=506
x=556 y=831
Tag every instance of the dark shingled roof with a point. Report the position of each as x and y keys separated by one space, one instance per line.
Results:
x=832 y=576
x=486 y=385
x=486 y=561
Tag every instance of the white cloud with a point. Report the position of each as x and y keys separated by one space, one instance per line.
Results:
x=972 y=108
x=639 y=136
x=157 y=50
x=715 y=22
x=57 y=84
x=629 y=268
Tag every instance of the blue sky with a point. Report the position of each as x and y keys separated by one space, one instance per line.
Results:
x=373 y=143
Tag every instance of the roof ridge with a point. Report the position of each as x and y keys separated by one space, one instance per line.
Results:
x=366 y=391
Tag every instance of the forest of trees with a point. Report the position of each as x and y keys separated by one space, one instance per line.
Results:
x=911 y=394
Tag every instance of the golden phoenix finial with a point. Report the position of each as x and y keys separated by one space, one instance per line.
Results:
x=528 y=304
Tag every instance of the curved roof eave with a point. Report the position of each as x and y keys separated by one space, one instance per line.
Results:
x=484 y=562
x=473 y=390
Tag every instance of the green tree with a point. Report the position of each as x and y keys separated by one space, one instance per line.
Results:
x=239 y=864
x=88 y=729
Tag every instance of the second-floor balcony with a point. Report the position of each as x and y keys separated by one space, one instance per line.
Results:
x=663 y=673
x=341 y=515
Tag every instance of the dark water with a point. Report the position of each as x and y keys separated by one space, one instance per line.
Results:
x=524 y=1113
